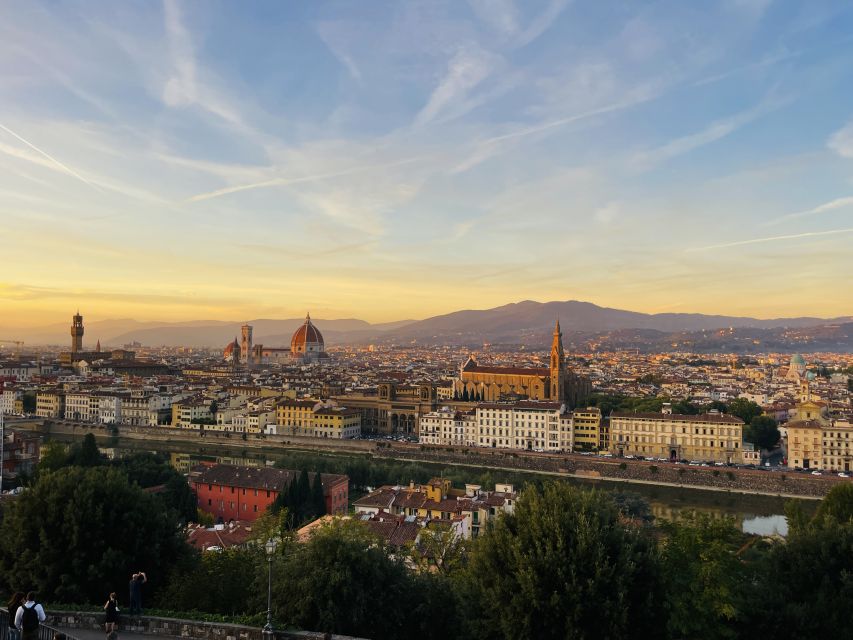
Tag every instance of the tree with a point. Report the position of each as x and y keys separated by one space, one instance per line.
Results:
x=28 y=400
x=86 y=454
x=762 y=432
x=318 y=500
x=705 y=579
x=337 y=581
x=744 y=409
x=543 y=566
x=439 y=549
x=80 y=532
x=837 y=505
x=54 y=455
x=217 y=582
x=805 y=589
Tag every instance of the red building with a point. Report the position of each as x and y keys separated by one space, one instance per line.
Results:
x=21 y=452
x=244 y=493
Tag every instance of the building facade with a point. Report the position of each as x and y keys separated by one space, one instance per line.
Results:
x=501 y=384
x=587 y=428
x=449 y=427
x=244 y=493
x=712 y=437
x=534 y=426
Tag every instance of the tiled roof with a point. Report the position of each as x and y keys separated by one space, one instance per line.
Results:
x=259 y=477
x=678 y=417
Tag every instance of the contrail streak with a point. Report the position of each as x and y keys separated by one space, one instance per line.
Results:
x=65 y=168
x=285 y=181
x=740 y=243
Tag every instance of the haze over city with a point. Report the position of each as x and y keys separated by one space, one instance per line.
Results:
x=399 y=160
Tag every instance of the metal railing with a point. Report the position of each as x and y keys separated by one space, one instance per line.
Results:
x=46 y=631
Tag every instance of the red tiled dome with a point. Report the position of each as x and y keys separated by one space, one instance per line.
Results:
x=232 y=348
x=306 y=335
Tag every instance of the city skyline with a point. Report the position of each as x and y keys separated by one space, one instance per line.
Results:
x=394 y=161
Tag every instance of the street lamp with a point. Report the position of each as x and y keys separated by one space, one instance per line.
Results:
x=270 y=549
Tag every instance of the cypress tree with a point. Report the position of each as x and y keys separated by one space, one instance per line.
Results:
x=303 y=508
x=318 y=499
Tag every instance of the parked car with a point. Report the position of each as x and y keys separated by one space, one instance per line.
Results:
x=816 y=473
x=843 y=475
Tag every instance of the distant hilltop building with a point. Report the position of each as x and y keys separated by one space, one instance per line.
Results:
x=495 y=384
x=306 y=345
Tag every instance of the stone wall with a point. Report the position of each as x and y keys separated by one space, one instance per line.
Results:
x=173 y=628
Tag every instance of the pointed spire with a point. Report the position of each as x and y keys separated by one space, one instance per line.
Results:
x=557 y=327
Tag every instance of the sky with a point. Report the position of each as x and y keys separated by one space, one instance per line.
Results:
x=391 y=160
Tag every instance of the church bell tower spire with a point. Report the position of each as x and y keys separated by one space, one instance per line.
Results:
x=557 y=366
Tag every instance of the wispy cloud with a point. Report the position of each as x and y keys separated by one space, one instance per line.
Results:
x=541 y=23
x=713 y=132
x=465 y=70
x=842 y=141
x=794 y=236
x=500 y=15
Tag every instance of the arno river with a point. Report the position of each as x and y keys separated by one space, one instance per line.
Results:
x=762 y=515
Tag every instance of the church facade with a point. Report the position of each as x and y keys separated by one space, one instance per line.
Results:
x=555 y=383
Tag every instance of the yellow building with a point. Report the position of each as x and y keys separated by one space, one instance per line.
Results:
x=805 y=444
x=295 y=417
x=336 y=422
x=185 y=412
x=586 y=424
x=712 y=437
x=50 y=404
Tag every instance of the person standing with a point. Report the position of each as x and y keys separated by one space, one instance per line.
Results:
x=14 y=603
x=111 y=620
x=29 y=616
x=136 y=583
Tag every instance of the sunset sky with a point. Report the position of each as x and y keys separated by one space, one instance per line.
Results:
x=389 y=160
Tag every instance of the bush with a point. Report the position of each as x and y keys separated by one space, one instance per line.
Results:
x=623 y=466
x=653 y=468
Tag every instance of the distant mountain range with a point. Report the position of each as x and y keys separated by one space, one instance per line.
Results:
x=523 y=322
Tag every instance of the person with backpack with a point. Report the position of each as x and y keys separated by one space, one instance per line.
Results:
x=29 y=616
x=16 y=601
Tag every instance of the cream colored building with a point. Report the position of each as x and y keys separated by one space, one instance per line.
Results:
x=837 y=445
x=712 y=437
x=448 y=427
x=523 y=425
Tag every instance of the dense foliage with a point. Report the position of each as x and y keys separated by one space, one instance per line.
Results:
x=145 y=469
x=564 y=565
x=569 y=563
x=303 y=500
x=79 y=533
